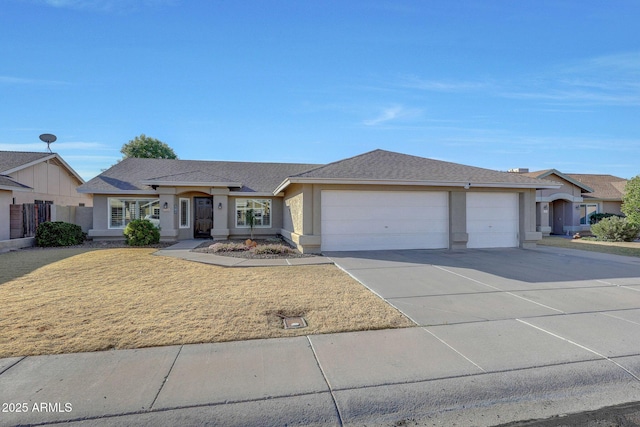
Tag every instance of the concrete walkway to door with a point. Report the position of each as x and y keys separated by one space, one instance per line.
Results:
x=183 y=250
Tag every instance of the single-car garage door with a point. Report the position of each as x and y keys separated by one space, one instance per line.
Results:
x=492 y=220
x=370 y=220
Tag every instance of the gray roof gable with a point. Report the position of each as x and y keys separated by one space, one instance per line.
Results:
x=137 y=175
x=381 y=165
x=15 y=160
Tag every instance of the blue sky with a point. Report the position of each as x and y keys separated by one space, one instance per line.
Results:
x=496 y=84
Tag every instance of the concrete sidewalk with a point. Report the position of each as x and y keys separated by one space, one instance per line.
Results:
x=183 y=250
x=375 y=378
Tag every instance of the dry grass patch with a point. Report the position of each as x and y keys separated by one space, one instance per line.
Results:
x=615 y=248
x=128 y=298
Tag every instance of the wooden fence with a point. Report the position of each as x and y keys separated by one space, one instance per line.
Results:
x=25 y=218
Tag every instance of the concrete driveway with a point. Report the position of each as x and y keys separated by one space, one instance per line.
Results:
x=546 y=285
x=548 y=312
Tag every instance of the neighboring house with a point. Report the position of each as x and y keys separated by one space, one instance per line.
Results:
x=53 y=181
x=568 y=209
x=7 y=188
x=377 y=200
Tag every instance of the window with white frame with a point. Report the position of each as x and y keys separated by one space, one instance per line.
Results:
x=184 y=213
x=586 y=212
x=261 y=209
x=123 y=211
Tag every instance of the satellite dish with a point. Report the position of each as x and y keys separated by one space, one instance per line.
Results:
x=48 y=138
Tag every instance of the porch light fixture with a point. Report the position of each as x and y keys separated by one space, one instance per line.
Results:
x=165 y=206
x=220 y=205
x=467 y=185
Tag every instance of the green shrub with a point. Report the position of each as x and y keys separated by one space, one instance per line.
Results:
x=58 y=233
x=596 y=218
x=141 y=232
x=616 y=229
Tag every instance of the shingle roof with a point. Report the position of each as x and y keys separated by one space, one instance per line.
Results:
x=543 y=174
x=607 y=187
x=135 y=174
x=10 y=160
x=8 y=183
x=390 y=166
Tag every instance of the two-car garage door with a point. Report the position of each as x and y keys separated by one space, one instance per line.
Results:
x=373 y=220
x=370 y=220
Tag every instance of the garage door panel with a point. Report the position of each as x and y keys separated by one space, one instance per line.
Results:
x=492 y=220
x=386 y=214
x=371 y=227
x=380 y=242
x=361 y=220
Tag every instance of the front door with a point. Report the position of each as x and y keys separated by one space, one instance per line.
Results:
x=557 y=216
x=204 y=217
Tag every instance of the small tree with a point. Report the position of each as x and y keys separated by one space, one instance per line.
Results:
x=251 y=220
x=631 y=200
x=141 y=232
x=147 y=148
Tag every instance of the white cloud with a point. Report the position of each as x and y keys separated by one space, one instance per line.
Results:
x=392 y=113
x=605 y=80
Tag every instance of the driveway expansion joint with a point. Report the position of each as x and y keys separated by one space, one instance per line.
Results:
x=13 y=364
x=582 y=347
x=326 y=380
x=164 y=381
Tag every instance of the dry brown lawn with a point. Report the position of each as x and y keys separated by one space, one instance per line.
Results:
x=615 y=248
x=128 y=298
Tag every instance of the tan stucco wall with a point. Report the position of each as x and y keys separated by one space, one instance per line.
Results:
x=5 y=225
x=612 y=207
x=293 y=203
x=550 y=194
x=302 y=222
x=49 y=182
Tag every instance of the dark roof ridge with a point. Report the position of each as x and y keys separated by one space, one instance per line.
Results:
x=238 y=162
x=344 y=160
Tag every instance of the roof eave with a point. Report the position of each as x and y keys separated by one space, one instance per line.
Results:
x=149 y=192
x=16 y=188
x=464 y=184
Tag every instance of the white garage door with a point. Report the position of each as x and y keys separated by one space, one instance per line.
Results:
x=492 y=220
x=370 y=220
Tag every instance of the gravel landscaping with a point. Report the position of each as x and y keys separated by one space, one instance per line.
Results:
x=239 y=249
